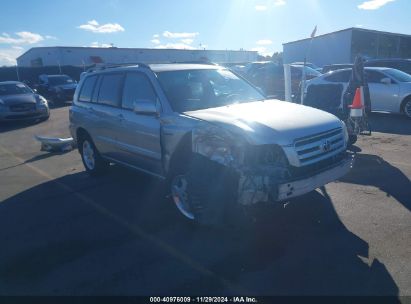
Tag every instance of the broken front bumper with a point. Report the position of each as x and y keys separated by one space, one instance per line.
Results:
x=255 y=188
x=299 y=187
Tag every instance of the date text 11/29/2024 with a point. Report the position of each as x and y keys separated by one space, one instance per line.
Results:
x=203 y=300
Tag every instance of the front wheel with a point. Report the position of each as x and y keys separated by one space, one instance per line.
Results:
x=179 y=195
x=93 y=162
x=205 y=192
x=352 y=139
x=407 y=108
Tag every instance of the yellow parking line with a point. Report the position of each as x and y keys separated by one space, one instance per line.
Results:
x=132 y=228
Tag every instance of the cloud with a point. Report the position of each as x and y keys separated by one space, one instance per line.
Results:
x=156 y=41
x=264 y=7
x=50 y=37
x=187 y=41
x=374 y=4
x=156 y=36
x=264 y=42
x=279 y=2
x=100 y=45
x=22 y=38
x=8 y=55
x=171 y=35
x=180 y=46
x=93 y=26
x=262 y=50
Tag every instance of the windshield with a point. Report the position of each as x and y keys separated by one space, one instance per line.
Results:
x=191 y=90
x=59 y=80
x=14 y=89
x=398 y=75
x=297 y=69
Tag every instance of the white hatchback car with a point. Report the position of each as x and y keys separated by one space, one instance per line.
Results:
x=390 y=89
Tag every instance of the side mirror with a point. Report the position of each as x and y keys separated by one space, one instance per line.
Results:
x=386 y=81
x=145 y=107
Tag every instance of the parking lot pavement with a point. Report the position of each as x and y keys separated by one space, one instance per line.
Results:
x=64 y=233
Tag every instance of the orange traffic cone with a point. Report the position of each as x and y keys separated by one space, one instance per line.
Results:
x=357 y=105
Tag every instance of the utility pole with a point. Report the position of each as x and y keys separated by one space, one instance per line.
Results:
x=17 y=72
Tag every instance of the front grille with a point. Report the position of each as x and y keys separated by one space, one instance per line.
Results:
x=314 y=148
x=23 y=107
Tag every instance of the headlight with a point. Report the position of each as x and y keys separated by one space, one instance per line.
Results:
x=345 y=131
x=42 y=101
x=266 y=155
x=215 y=144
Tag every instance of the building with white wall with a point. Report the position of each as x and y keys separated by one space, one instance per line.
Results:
x=343 y=46
x=85 y=56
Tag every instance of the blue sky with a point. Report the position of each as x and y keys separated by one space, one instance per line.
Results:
x=261 y=25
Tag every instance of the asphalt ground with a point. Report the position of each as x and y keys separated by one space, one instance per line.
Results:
x=65 y=233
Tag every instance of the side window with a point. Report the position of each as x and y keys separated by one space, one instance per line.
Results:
x=343 y=76
x=87 y=89
x=137 y=87
x=374 y=77
x=110 y=89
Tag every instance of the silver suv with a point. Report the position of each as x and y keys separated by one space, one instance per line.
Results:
x=212 y=136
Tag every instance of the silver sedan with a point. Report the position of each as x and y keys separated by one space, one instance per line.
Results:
x=390 y=89
x=19 y=102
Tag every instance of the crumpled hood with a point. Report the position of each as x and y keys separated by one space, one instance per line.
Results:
x=270 y=121
x=9 y=100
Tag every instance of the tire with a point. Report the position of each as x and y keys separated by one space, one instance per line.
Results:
x=202 y=192
x=93 y=162
x=352 y=139
x=406 y=108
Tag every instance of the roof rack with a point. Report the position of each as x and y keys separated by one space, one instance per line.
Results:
x=104 y=66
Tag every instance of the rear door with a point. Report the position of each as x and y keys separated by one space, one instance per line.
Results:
x=106 y=107
x=139 y=138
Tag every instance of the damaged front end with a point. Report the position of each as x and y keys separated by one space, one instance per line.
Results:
x=263 y=172
x=259 y=169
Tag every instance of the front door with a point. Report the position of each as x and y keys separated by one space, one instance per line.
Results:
x=139 y=139
x=384 y=96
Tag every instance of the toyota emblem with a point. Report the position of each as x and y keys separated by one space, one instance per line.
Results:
x=326 y=146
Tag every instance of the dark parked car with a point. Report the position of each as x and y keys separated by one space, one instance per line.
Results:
x=19 y=102
x=403 y=65
x=57 y=88
x=270 y=78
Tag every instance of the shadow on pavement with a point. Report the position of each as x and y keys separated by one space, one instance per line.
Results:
x=390 y=123
x=372 y=170
x=8 y=126
x=117 y=235
x=35 y=158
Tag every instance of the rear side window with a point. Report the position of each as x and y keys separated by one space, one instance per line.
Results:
x=343 y=76
x=137 y=87
x=110 y=89
x=87 y=89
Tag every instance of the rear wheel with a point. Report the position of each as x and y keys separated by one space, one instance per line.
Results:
x=93 y=162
